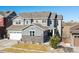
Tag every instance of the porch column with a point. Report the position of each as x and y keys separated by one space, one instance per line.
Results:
x=53 y=32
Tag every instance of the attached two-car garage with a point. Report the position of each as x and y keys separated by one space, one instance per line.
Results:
x=15 y=32
x=15 y=35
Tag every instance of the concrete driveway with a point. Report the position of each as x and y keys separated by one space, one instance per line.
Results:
x=5 y=43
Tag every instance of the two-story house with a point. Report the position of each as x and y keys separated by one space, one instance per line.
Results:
x=35 y=26
x=5 y=21
x=52 y=20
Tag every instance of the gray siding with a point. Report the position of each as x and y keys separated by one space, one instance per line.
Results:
x=27 y=22
x=38 y=31
x=51 y=24
x=40 y=35
x=23 y=21
x=36 y=39
x=16 y=20
x=40 y=22
x=59 y=27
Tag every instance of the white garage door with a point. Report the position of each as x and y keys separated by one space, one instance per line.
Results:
x=15 y=36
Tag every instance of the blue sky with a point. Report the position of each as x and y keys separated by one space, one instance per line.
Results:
x=69 y=12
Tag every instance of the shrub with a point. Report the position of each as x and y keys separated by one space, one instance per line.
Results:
x=54 y=41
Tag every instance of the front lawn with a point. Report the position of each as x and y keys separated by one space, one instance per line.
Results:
x=31 y=47
x=15 y=50
x=12 y=50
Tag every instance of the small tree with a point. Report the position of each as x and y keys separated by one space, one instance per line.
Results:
x=54 y=41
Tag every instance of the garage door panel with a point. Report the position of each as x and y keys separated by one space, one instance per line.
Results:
x=15 y=36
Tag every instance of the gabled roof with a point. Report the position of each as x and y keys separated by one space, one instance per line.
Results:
x=26 y=15
x=17 y=17
x=38 y=26
x=43 y=27
x=5 y=14
x=40 y=15
x=35 y=15
x=16 y=27
x=75 y=29
x=22 y=27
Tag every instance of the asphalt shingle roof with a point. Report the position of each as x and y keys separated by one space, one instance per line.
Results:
x=59 y=17
x=43 y=27
x=40 y=15
x=26 y=15
x=22 y=27
x=35 y=15
x=5 y=14
x=16 y=27
x=75 y=29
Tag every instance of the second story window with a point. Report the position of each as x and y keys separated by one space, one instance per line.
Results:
x=43 y=21
x=26 y=22
x=36 y=21
x=18 y=22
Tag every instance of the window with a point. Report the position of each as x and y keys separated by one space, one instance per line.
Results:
x=76 y=36
x=36 y=21
x=26 y=22
x=18 y=22
x=31 y=20
x=32 y=33
x=43 y=21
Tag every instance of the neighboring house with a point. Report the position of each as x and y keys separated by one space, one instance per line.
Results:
x=40 y=22
x=5 y=21
x=66 y=31
x=75 y=36
x=32 y=33
x=2 y=28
